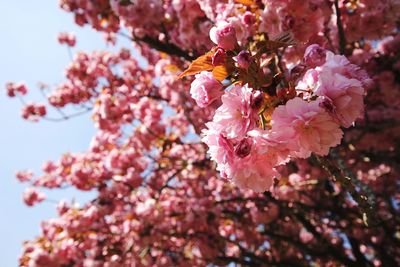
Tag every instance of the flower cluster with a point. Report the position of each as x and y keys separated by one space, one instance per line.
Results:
x=33 y=111
x=67 y=38
x=266 y=97
x=246 y=150
x=32 y=196
x=16 y=88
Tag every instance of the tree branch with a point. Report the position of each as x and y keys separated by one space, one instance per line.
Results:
x=350 y=183
x=342 y=37
x=168 y=48
x=297 y=214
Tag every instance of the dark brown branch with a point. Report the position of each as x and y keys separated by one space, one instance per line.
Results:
x=342 y=37
x=228 y=259
x=349 y=183
x=297 y=214
x=355 y=247
x=336 y=253
x=168 y=48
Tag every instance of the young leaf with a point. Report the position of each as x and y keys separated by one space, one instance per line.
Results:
x=202 y=63
x=283 y=39
x=220 y=72
x=246 y=2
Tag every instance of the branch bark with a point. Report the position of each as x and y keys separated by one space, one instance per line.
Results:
x=165 y=47
x=359 y=193
x=342 y=37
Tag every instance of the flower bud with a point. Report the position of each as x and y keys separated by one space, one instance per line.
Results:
x=219 y=57
x=314 y=56
x=224 y=35
x=243 y=149
x=243 y=59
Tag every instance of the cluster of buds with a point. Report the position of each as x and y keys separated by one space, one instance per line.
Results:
x=33 y=111
x=16 y=88
x=67 y=38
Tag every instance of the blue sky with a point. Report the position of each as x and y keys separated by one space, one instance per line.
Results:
x=29 y=51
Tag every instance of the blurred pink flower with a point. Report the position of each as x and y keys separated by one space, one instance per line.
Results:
x=32 y=196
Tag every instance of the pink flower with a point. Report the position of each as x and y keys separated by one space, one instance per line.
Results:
x=205 y=89
x=16 y=88
x=248 y=162
x=62 y=207
x=339 y=83
x=67 y=38
x=24 y=176
x=224 y=35
x=236 y=116
x=254 y=161
x=33 y=196
x=308 y=82
x=340 y=64
x=305 y=236
x=33 y=111
x=343 y=94
x=254 y=174
x=270 y=144
x=313 y=129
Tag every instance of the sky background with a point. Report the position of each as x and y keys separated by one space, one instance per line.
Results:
x=29 y=52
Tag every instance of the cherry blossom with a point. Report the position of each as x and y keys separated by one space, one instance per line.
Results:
x=314 y=130
x=251 y=133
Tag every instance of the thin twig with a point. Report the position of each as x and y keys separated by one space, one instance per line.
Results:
x=67 y=117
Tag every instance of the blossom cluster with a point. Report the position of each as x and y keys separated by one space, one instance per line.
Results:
x=329 y=96
x=262 y=104
x=13 y=89
x=33 y=111
x=67 y=38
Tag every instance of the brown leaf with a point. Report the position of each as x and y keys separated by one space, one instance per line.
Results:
x=171 y=68
x=283 y=39
x=246 y=2
x=202 y=63
x=220 y=73
x=273 y=45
